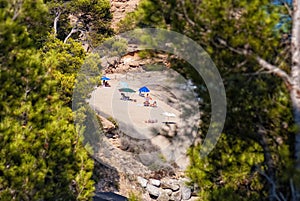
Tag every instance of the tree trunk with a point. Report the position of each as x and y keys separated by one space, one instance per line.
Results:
x=56 y=21
x=271 y=171
x=295 y=74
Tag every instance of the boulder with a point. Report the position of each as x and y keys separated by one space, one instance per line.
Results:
x=142 y=181
x=163 y=196
x=186 y=192
x=134 y=64
x=168 y=191
x=119 y=4
x=176 y=196
x=153 y=190
x=154 y=182
x=170 y=184
x=107 y=125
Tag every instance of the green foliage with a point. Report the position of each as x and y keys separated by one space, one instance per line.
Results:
x=90 y=17
x=228 y=170
x=41 y=155
x=63 y=61
x=112 y=120
x=29 y=14
x=113 y=47
x=134 y=197
x=258 y=133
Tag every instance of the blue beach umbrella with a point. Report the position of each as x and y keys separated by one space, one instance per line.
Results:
x=144 y=89
x=105 y=78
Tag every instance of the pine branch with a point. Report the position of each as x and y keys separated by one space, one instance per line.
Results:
x=274 y=194
x=274 y=69
x=58 y=13
x=262 y=62
x=287 y=7
x=74 y=30
x=17 y=10
x=186 y=15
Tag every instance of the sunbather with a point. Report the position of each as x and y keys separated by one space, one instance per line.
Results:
x=124 y=97
x=106 y=84
x=146 y=103
x=154 y=104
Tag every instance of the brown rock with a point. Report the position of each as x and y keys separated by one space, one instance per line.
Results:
x=170 y=184
x=107 y=125
x=163 y=196
x=176 y=196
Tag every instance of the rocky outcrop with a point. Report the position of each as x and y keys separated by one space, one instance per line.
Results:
x=167 y=189
x=131 y=62
x=120 y=8
x=107 y=125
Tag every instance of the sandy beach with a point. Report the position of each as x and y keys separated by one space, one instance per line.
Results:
x=133 y=117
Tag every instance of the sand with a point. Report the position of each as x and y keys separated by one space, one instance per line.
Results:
x=132 y=116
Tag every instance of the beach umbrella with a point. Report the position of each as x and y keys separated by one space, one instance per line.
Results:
x=127 y=90
x=144 y=89
x=105 y=78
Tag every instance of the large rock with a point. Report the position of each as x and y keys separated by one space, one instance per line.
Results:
x=170 y=184
x=142 y=181
x=168 y=191
x=154 y=182
x=107 y=125
x=186 y=192
x=152 y=190
x=176 y=196
x=163 y=196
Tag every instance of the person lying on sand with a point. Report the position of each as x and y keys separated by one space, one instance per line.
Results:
x=154 y=104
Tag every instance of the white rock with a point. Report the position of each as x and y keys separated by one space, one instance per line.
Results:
x=152 y=190
x=168 y=191
x=186 y=192
x=170 y=184
x=154 y=182
x=142 y=181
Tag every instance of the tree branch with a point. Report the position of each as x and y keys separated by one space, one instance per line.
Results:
x=17 y=10
x=263 y=63
x=58 y=13
x=287 y=7
x=274 y=69
x=74 y=30
x=186 y=15
x=274 y=194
